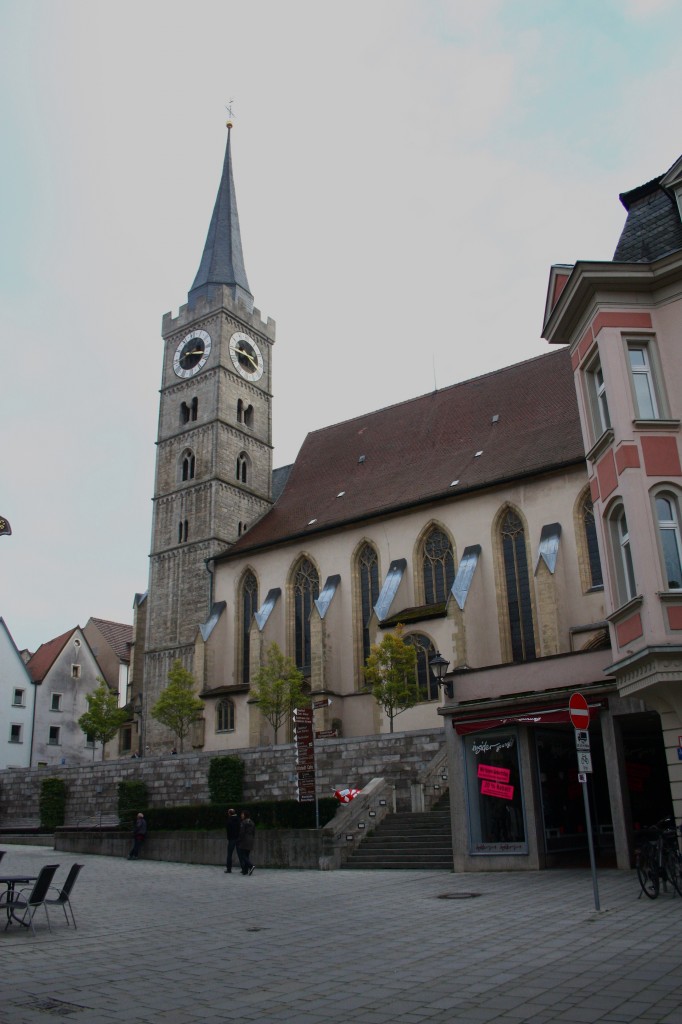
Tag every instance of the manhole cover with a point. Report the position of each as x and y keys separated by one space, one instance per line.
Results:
x=458 y=895
x=55 y=1006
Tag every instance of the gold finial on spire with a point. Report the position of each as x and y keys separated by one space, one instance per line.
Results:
x=230 y=115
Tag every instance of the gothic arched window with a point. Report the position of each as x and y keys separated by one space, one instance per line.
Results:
x=306 y=587
x=596 y=579
x=249 y=607
x=427 y=682
x=368 y=566
x=224 y=716
x=517 y=584
x=438 y=565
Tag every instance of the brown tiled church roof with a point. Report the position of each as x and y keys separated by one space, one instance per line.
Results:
x=519 y=421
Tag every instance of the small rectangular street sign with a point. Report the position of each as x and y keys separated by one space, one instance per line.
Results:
x=584 y=761
x=582 y=739
x=322 y=703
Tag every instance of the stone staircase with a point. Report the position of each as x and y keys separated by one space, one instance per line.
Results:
x=408 y=840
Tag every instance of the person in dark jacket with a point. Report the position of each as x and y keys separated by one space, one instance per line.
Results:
x=139 y=833
x=232 y=826
x=247 y=837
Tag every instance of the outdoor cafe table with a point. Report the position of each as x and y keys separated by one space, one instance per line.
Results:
x=11 y=881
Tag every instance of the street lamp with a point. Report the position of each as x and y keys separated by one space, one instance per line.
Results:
x=439 y=667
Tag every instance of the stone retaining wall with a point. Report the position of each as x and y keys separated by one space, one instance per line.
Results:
x=402 y=759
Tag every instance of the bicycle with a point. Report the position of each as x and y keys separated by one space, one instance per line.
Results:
x=659 y=859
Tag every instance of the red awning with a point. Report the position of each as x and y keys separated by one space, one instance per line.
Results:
x=536 y=715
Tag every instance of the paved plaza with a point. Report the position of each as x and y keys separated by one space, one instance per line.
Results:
x=161 y=943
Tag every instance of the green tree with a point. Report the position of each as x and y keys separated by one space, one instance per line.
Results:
x=391 y=672
x=104 y=717
x=177 y=706
x=278 y=688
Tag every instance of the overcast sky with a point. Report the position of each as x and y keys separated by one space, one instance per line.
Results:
x=406 y=174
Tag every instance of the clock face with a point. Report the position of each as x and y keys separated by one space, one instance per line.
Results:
x=192 y=353
x=246 y=356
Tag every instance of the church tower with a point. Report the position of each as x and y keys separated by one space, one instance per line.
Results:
x=214 y=443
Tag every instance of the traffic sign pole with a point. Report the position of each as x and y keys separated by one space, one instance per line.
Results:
x=579 y=713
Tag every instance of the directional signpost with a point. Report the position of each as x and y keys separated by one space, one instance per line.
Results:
x=304 y=740
x=579 y=713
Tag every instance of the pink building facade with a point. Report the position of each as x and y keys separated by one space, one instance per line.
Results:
x=623 y=324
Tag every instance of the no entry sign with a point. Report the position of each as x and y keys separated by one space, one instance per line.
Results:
x=578 y=711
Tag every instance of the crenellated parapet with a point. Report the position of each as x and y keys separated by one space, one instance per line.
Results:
x=221 y=298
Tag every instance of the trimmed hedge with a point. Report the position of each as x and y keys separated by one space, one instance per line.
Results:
x=52 y=803
x=132 y=797
x=226 y=780
x=266 y=814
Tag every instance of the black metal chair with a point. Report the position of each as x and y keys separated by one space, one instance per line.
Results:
x=26 y=901
x=64 y=898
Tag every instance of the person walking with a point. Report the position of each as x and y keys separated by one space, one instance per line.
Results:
x=232 y=826
x=139 y=833
x=247 y=837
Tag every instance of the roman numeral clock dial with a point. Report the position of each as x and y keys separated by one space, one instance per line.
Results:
x=192 y=353
x=246 y=356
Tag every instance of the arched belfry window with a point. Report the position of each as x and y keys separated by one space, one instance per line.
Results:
x=242 y=473
x=517 y=584
x=427 y=682
x=438 y=566
x=188 y=465
x=248 y=608
x=306 y=587
x=368 y=570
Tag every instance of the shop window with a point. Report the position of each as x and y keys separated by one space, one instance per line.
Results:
x=494 y=793
x=438 y=566
x=224 y=716
x=668 y=520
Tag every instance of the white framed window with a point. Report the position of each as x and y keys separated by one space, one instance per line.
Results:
x=54 y=736
x=75 y=671
x=647 y=406
x=598 y=402
x=225 y=716
x=15 y=733
x=622 y=556
x=19 y=698
x=668 y=521
x=89 y=740
x=56 y=702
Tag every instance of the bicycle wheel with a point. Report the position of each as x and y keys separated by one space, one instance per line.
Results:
x=647 y=870
x=673 y=868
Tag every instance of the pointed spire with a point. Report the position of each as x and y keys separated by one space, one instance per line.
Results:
x=222 y=262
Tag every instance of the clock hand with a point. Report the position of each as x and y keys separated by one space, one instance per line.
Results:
x=247 y=355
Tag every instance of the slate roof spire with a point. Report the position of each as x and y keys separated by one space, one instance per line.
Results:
x=222 y=262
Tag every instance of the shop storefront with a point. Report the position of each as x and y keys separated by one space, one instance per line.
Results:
x=518 y=801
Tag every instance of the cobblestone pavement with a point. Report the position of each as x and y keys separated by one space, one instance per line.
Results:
x=178 y=944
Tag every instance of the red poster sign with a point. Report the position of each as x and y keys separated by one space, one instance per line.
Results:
x=489 y=788
x=489 y=771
